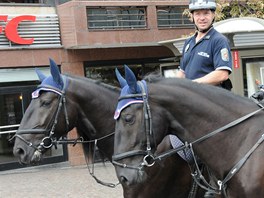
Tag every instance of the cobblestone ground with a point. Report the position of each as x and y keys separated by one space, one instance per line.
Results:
x=58 y=181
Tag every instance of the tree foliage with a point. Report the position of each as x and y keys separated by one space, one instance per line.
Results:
x=237 y=8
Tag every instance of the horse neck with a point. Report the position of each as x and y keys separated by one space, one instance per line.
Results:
x=194 y=113
x=96 y=105
x=195 y=107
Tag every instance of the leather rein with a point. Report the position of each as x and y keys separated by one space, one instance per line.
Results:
x=149 y=158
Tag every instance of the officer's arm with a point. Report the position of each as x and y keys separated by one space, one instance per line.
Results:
x=180 y=74
x=214 y=78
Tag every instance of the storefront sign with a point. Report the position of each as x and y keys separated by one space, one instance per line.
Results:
x=11 y=28
x=236 y=59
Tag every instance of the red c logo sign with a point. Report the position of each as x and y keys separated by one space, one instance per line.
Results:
x=11 y=28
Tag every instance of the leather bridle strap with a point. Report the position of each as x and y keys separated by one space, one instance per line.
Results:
x=234 y=170
x=24 y=140
x=231 y=124
x=32 y=131
x=148 y=159
x=49 y=140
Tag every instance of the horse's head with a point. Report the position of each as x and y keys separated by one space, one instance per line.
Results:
x=134 y=143
x=46 y=118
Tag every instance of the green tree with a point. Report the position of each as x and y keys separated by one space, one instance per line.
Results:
x=237 y=8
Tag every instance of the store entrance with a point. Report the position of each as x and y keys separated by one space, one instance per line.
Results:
x=11 y=109
x=14 y=100
x=253 y=72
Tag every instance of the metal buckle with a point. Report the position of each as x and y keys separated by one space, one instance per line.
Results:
x=47 y=142
x=148 y=161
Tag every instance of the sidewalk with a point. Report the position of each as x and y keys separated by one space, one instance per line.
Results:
x=59 y=180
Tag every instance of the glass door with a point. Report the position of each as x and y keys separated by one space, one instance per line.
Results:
x=11 y=112
x=13 y=103
x=253 y=70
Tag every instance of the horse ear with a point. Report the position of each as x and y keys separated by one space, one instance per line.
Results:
x=131 y=80
x=120 y=79
x=55 y=72
x=41 y=76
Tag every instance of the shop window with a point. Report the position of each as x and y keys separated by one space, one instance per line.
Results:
x=21 y=1
x=105 y=18
x=253 y=70
x=49 y=2
x=172 y=17
x=106 y=72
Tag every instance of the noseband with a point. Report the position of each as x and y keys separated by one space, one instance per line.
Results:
x=49 y=140
x=148 y=159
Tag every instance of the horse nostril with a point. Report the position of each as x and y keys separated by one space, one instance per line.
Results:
x=123 y=180
x=19 y=152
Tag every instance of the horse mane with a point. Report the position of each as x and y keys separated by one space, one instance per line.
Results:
x=206 y=90
x=89 y=148
x=97 y=82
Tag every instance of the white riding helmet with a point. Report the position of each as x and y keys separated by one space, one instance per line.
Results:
x=202 y=4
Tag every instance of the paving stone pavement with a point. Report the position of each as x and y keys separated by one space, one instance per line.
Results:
x=59 y=180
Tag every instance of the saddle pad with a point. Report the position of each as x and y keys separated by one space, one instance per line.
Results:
x=185 y=154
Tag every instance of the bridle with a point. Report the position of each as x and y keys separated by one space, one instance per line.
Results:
x=148 y=159
x=49 y=140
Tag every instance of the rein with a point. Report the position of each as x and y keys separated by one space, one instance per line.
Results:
x=197 y=175
x=91 y=170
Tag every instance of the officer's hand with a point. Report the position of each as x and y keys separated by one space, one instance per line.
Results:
x=259 y=95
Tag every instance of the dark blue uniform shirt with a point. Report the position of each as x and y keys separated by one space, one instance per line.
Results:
x=210 y=53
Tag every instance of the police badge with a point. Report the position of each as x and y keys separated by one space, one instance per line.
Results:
x=224 y=54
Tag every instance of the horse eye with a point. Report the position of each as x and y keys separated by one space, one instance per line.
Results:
x=46 y=103
x=129 y=118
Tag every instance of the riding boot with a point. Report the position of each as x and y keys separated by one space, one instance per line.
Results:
x=209 y=194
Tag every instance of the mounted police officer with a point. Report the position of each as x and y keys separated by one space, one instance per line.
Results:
x=206 y=56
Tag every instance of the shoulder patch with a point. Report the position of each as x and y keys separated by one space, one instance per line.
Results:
x=224 y=54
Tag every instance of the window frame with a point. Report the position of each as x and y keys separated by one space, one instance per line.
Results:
x=120 y=17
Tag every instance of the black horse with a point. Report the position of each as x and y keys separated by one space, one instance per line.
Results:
x=63 y=102
x=225 y=130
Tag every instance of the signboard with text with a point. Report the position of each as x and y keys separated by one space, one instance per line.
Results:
x=11 y=28
x=236 y=59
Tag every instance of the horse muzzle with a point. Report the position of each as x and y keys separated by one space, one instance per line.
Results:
x=130 y=177
x=36 y=157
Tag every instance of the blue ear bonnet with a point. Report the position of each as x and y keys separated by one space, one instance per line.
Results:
x=129 y=86
x=56 y=83
x=122 y=104
x=49 y=82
